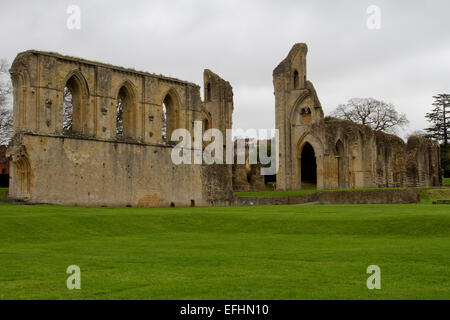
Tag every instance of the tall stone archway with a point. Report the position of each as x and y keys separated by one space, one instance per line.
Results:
x=310 y=151
x=308 y=167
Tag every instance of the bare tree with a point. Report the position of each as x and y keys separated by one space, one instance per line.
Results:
x=379 y=115
x=6 y=114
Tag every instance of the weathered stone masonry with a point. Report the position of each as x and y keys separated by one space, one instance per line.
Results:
x=99 y=160
x=338 y=154
x=93 y=164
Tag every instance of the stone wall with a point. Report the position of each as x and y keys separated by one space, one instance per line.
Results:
x=381 y=196
x=100 y=160
x=89 y=172
x=240 y=180
x=337 y=154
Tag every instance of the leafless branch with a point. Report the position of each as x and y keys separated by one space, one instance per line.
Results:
x=379 y=115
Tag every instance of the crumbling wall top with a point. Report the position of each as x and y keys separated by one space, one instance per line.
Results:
x=23 y=56
x=285 y=65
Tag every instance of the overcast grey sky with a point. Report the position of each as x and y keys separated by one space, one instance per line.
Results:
x=405 y=62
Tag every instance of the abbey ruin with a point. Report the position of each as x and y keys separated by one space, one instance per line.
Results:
x=116 y=152
x=112 y=147
x=336 y=154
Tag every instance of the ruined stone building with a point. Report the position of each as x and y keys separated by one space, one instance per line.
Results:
x=246 y=176
x=111 y=147
x=87 y=133
x=340 y=154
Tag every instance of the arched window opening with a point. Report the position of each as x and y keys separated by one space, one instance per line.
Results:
x=340 y=159
x=68 y=110
x=205 y=124
x=119 y=117
x=308 y=167
x=208 y=92
x=296 y=80
x=306 y=116
x=339 y=148
x=169 y=117
x=164 y=121
x=125 y=113
x=72 y=106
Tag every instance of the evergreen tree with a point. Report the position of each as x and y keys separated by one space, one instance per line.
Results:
x=439 y=118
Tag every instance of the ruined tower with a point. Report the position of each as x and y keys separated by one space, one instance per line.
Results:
x=297 y=112
x=218 y=102
x=336 y=154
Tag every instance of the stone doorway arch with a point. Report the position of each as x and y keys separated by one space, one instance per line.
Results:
x=311 y=142
x=308 y=167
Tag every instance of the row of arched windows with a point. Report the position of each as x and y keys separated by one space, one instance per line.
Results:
x=74 y=113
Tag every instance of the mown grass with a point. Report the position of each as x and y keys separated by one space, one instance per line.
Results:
x=283 y=252
x=428 y=195
x=446 y=181
x=3 y=193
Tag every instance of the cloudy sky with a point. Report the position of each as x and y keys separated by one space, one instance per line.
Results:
x=405 y=62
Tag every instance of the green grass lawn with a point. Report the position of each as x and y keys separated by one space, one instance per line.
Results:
x=283 y=252
x=3 y=192
x=428 y=195
x=446 y=181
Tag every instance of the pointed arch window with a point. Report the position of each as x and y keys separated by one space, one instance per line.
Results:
x=68 y=110
x=169 y=117
x=208 y=92
x=164 y=121
x=340 y=164
x=296 y=80
x=125 y=113
x=73 y=105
